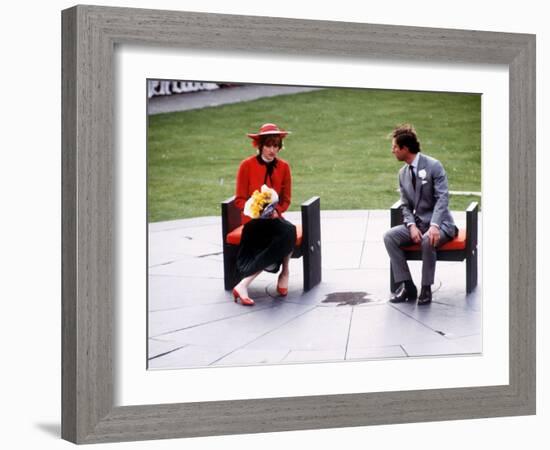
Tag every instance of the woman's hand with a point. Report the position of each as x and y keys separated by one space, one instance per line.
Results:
x=275 y=214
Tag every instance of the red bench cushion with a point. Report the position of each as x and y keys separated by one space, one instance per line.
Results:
x=234 y=237
x=458 y=243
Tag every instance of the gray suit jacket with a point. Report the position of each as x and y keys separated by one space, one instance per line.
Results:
x=430 y=202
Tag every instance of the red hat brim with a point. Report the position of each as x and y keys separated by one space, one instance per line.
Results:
x=257 y=135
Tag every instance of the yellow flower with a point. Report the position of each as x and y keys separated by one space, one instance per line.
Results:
x=259 y=200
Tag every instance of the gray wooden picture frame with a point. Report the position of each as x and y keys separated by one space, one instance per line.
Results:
x=90 y=34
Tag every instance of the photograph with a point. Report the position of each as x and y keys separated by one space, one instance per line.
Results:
x=311 y=224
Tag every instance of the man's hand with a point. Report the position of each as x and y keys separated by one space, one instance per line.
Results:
x=416 y=235
x=434 y=235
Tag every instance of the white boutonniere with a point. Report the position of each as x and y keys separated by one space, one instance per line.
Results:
x=422 y=173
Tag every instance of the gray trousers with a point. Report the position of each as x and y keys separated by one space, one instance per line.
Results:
x=399 y=236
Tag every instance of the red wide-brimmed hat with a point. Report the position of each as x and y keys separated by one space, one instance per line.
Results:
x=267 y=128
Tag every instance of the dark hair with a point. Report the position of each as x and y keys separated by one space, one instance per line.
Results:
x=405 y=136
x=268 y=138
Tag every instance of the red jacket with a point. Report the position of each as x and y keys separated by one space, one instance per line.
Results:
x=250 y=177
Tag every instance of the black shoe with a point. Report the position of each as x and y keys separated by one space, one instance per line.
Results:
x=425 y=295
x=403 y=294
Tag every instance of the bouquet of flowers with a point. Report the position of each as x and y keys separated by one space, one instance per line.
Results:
x=262 y=203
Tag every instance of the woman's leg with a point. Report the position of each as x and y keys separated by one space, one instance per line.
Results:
x=242 y=287
x=282 y=281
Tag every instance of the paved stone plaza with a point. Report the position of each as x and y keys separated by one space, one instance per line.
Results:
x=193 y=321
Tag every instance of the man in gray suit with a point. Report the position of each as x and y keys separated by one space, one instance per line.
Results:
x=426 y=217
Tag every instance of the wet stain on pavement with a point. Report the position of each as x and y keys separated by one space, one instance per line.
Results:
x=348 y=298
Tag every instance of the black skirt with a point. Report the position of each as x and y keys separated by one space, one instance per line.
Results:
x=264 y=245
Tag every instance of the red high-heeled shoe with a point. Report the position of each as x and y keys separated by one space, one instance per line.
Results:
x=281 y=291
x=246 y=301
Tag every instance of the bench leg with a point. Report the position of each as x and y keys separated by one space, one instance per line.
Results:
x=311 y=243
x=312 y=267
x=230 y=276
x=471 y=271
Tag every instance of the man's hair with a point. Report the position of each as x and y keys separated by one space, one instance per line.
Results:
x=405 y=135
x=269 y=138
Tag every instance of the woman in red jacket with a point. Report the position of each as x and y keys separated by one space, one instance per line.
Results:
x=266 y=243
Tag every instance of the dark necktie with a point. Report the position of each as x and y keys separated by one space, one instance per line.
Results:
x=413 y=177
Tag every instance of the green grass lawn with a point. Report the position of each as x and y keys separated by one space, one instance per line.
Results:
x=339 y=148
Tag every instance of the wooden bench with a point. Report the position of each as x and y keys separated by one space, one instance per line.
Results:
x=307 y=246
x=463 y=247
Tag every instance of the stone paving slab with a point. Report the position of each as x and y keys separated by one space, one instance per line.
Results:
x=385 y=325
x=193 y=321
x=339 y=229
x=204 y=267
x=188 y=241
x=246 y=356
x=312 y=356
x=374 y=256
x=186 y=356
x=161 y=322
x=172 y=292
x=318 y=328
x=332 y=254
x=470 y=344
x=378 y=224
x=441 y=348
x=444 y=319
x=243 y=328
x=159 y=348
